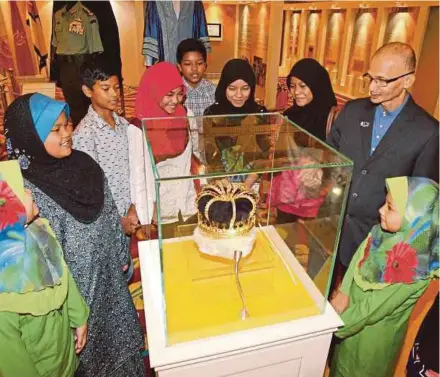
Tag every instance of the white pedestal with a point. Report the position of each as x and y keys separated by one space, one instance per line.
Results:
x=295 y=348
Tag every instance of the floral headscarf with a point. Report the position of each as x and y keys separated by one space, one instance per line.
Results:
x=30 y=259
x=412 y=253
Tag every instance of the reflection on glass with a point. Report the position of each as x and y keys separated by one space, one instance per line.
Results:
x=301 y=184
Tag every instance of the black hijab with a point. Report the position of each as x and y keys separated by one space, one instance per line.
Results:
x=313 y=116
x=234 y=70
x=75 y=182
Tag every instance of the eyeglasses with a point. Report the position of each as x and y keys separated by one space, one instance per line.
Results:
x=382 y=82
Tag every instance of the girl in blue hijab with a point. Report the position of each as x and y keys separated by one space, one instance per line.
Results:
x=71 y=178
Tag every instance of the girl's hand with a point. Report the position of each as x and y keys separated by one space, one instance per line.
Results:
x=126 y=226
x=340 y=302
x=132 y=215
x=31 y=208
x=431 y=373
x=250 y=180
x=145 y=232
x=80 y=338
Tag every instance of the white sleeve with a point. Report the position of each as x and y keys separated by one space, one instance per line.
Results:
x=141 y=176
x=194 y=127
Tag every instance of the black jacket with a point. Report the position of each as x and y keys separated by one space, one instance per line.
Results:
x=409 y=148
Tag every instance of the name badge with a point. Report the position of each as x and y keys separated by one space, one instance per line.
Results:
x=365 y=124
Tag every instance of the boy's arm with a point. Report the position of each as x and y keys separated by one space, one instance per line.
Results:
x=84 y=141
x=379 y=304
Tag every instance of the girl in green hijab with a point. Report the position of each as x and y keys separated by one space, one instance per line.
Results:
x=389 y=272
x=43 y=318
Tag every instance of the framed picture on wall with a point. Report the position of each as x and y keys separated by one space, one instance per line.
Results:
x=215 y=32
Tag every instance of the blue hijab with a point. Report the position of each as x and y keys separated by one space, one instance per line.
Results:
x=45 y=112
x=75 y=182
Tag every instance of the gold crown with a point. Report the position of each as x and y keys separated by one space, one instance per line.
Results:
x=229 y=192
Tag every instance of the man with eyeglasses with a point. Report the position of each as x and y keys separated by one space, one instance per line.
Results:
x=386 y=135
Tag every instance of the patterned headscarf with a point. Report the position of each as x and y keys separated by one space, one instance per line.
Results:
x=30 y=259
x=412 y=253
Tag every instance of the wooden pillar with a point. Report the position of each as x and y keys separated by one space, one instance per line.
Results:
x=322 y=36
x=302 y=35
x=237 y=30
x=286 y=37
x=346 y=45
x=419 y=33
x=273 y=53
x=379 y=30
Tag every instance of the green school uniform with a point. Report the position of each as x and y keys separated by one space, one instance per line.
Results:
x=376 y=323
x=386 y=277
x=36 y=336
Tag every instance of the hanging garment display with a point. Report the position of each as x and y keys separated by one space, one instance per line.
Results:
x=65 y=70
x=33 y=22
x=108 y=32
x=75 y=37
x=165 y=28
x=76 y=31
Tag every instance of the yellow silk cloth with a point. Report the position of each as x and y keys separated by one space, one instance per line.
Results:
x=202 y=299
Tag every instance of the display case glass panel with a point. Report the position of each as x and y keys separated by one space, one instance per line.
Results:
x=302 y=185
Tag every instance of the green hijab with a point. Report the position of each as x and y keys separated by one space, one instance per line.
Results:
x=412 y=253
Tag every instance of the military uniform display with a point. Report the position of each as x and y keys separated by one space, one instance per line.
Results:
x=75 y=37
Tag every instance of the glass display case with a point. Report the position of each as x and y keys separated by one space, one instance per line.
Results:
x=297 y=186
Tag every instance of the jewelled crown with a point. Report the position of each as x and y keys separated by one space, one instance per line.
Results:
x=223 y=221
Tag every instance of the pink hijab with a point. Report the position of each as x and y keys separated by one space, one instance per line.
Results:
x=166 y=138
